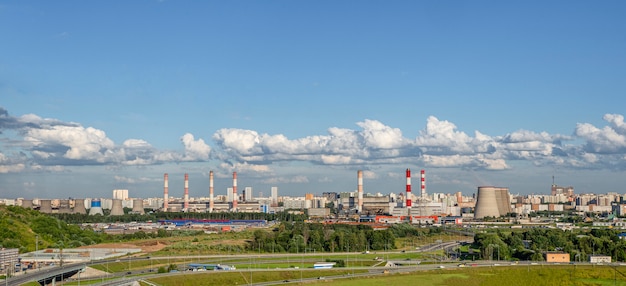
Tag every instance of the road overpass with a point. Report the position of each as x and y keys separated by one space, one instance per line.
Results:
x=47 y=275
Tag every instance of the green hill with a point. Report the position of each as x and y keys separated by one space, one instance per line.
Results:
x=21 y=227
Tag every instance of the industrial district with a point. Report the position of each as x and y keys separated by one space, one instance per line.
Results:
x=422 y=208
x=489 y=206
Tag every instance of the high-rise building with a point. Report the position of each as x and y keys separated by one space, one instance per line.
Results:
x=229 y=194
x=247 y=194
x=120 y=194
x=274 y=195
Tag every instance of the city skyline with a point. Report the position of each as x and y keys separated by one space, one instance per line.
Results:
x=300 y=95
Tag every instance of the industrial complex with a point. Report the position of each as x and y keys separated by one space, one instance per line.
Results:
x=422 y=208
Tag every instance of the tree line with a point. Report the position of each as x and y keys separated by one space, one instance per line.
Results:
x=297 y=237
x=74 y=218
x=531 y=244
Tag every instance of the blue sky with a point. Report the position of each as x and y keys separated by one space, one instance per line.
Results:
x=101 y=95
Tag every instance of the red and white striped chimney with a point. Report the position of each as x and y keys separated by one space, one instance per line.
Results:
x=235 y=197
x=423 y=184
x=408 y=189
x=186 y=199
x=165 y=192
x=211 y=191
x=360 y=190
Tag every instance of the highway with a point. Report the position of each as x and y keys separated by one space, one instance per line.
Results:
x=295 y=258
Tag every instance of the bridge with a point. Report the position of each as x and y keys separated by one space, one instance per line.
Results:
x=46 y=276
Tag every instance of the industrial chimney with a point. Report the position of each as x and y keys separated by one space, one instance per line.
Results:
x=211 y=205
x=186 y=198
x=165 y=195
x=360 y=190
x=235 y=197
x=423 y=186
x=408 y=190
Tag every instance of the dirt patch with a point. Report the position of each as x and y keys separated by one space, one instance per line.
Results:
x=145 y=246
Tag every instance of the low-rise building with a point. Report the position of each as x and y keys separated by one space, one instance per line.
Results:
x=557 y=257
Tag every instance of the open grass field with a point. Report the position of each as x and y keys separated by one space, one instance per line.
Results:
x=483 y=276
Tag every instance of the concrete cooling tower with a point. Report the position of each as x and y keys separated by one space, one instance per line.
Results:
x=64 y=207
x=27 y=204
x=96 y=207
x=79 y=206
x=138 y=206
x=116 y=208
x=45 y=206
x=492 y=202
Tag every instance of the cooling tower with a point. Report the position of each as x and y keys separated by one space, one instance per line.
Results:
x=79 y=206
x=28 y=204
x=64 y=207
x=96 y=207
x=491 y=202
x=504 y=204
x=138 y=206
x=116 y=208
x=45 y=206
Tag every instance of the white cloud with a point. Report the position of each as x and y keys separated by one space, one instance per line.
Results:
x=287 y=180
x=50 y=144
x=606 y=140
x=12 y=168
x=195 y=150
x=76 y=143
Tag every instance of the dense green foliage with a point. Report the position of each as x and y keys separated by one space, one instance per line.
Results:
x=311 y=237
x=26 y=229
x=156 y=216
x=532 y=243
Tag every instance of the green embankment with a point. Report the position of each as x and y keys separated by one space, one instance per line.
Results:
x=470 y=276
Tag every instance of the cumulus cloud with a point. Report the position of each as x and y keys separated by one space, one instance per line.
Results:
x=127 y=180
x=607 y=140
x=46 y=144
x=287 y=180
x=51 y=143
x=195 y=150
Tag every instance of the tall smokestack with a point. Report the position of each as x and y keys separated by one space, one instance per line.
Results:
x=423 y=184
x=360 y=190
x=186 y=199
x=211 y=191
x=408 y=189
x=235 y=197
x=165 y=194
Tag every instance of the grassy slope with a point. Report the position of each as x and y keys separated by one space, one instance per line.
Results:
x=483 y=276
x=16 y=231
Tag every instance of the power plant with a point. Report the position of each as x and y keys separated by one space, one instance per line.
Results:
x=96 y=207
x=492 y=202
x=28 y=204
x=79 y=206
x=45 y=206
x=116 y=207
x=138 y=206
